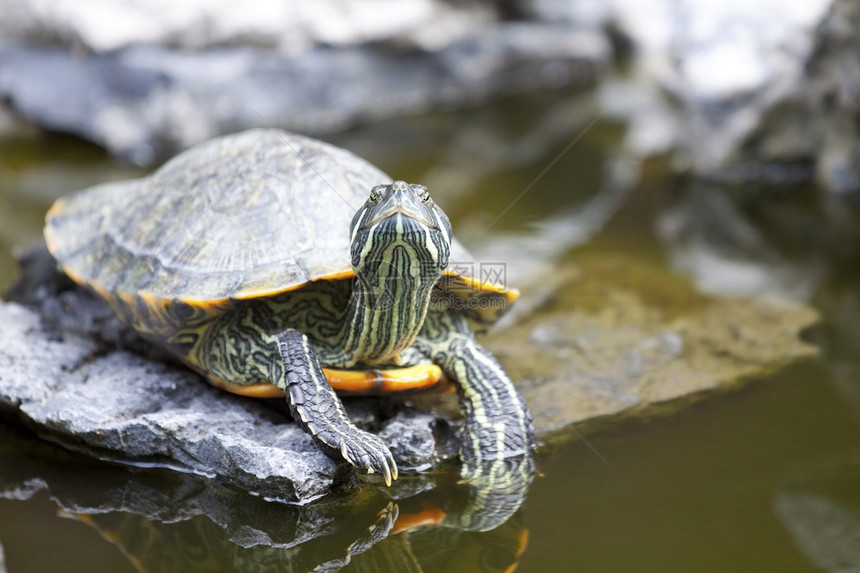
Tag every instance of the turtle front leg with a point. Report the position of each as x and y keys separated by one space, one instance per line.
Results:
x=318 y=410
x=497 y=423
x=497 y=428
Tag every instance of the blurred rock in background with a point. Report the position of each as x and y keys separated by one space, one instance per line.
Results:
x=146 y=78
x=744 y=90
x=741 y=90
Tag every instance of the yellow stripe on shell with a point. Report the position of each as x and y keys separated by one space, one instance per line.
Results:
x=472 y=284
x=469 y=284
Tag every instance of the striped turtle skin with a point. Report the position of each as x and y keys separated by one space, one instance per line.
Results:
x=275 y=264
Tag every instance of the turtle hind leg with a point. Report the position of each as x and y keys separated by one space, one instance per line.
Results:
x=318 y=410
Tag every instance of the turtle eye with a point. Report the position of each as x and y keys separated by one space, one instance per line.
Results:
x=422 y=193
x=376 y=193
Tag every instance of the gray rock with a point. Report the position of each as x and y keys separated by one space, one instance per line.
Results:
x=822 y=120
x=123 y=406
x=144 y=101
x=34 y=466
x=202 y=24
x=172 y=509
x=759 y=90
x=741 y=90
x=410 y=437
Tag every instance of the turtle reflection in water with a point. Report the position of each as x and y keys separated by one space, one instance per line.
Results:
x=262 y=262
x=395 y=541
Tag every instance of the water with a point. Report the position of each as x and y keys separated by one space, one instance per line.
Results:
x=695 y=492
x=762 y=478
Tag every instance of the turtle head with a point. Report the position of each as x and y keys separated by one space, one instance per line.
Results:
x=400 y=233
x=400 y=242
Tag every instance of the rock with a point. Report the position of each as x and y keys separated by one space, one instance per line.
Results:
x=146 y=97
x=740 y=90
x=757 y=90
x=123 y=406
x=165 y=496
x=102 y=27
x=410 y=437
x=628 y=340
x=818 y=121
x=725 y=64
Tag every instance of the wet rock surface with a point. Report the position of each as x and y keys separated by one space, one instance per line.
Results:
x=642 y=341
x=120 y=405
x=163 y=496
x=145 y=102
x=625 y=339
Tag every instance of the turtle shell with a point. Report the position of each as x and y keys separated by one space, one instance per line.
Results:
x=243 y=216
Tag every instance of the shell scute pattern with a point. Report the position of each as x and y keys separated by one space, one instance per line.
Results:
x=238 y=217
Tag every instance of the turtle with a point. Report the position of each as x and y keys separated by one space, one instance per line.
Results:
x=275 y=264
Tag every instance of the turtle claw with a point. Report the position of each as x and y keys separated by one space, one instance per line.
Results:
x=370 y=454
